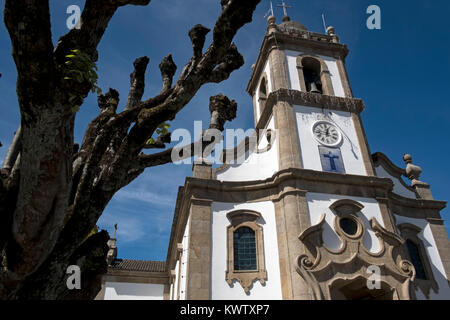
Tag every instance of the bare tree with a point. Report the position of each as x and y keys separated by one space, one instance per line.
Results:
x=51 y=194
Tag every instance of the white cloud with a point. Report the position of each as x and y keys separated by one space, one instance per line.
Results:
x=144 y=196
x=129 y=229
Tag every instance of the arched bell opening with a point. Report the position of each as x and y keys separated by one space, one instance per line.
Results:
x=262 y=94
x=314 y=75
x=311 y=72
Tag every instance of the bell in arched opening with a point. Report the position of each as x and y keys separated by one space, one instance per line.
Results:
x=311 y=72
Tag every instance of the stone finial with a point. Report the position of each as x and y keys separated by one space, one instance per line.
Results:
x=331 y=31
x=412 y=171
x=112 y=252
x=286 y=19
x=272 y=24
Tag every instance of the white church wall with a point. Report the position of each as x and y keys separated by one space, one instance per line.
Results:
x=133 y=291
x=176 y=281
x=437 y=267
x=309 y=146
x=257 y=166
x=291 y=59
x=319 y=203
x=220 y=290
x=399 y=188
x=336 y=81
x=184 y=260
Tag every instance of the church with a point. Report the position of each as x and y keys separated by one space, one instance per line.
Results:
x=310 y=214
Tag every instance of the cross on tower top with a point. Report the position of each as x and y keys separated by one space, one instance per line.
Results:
x=284 y=6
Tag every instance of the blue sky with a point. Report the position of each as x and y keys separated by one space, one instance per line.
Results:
x=401 y=72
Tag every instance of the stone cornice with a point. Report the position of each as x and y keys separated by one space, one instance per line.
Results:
x=416 y=203
x=301 y=41
x=287 y=181
x=295 y=97
x=293 y=174
x=316 y=100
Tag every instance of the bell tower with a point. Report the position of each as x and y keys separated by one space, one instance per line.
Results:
x=300 y=80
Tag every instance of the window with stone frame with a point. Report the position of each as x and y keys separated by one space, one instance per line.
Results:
x=262 y=96
x=245 y=249
x=417 y=255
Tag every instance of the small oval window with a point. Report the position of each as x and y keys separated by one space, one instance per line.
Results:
x=349 y=226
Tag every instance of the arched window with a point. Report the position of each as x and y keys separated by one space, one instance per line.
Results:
x=311 y=72
x=262 y=94
x=416 y=259
x=245 y=254
x=244 y=245
x=263 y=88
x=314 y=75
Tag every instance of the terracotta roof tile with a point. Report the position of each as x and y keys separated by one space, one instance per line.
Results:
x=138 y=265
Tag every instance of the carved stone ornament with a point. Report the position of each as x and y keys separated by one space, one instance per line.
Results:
x=412 y=171
x=238 y=219
x=344 y=273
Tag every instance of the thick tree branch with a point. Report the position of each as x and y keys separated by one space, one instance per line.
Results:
x=137 y=82
x=233 y=60
x=160 y=142
x=168 y=69
x=134 y=2
x=198 y=35
x=13 y=153
x=234 y=15
x=90 y=256
x=222 y=110
x=28 y=24
x=94 y=21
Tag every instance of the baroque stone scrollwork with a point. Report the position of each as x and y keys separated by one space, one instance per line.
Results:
x=239 y=219
x=328 y=271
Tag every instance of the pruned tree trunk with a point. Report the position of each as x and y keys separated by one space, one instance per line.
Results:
x=50 y=197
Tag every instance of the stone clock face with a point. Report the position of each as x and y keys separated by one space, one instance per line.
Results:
x=326 y=133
